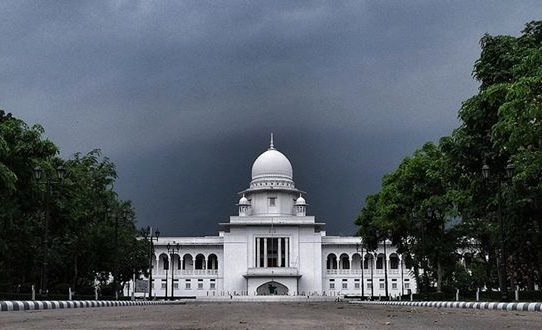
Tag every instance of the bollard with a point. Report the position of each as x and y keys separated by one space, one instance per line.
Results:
x=33 y=293
x=477 y=294
x=456 y=294
x=69 y=293
x=411 y=296
x=517 y=292
x=95 y=293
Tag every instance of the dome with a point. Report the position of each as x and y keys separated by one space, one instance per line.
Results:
x=300 y=201
x=272 y=163
x=244 y=201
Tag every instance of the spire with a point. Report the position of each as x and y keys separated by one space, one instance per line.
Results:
x=271 y=146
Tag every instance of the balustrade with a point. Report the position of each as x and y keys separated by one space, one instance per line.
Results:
x=365 y=271
x=179 y=272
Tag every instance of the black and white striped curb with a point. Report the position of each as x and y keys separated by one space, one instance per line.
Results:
x=63 y=304
x=516 y=306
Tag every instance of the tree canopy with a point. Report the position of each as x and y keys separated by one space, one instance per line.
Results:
x=436 y=203
x=85 y=216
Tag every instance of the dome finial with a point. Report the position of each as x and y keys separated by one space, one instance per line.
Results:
x=271 y=146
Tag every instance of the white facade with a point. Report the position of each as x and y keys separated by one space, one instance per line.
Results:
x=273 y=247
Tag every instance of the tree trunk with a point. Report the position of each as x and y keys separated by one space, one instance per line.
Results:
x=425 y=276
x=439 y=276
x=498 y=261
x=75 y=272
x=419 y=283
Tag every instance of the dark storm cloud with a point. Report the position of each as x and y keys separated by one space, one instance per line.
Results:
x=182 y=95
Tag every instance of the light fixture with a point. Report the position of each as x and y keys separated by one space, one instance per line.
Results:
x=60 y=172
x=509 y=170
x=485 y=171
x=38 y=172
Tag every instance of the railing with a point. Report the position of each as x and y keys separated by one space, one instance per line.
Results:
x=365 y=271
x=199 y=272
x=186 y=272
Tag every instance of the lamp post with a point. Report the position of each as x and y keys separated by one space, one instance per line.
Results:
x=173 y=249
x=115 y=216
x=509 y=172
x=48 y=182
x=359 y=248
x=167 y=270
x=151 y=236
x=402 y=276
x=385 y=234
x=385 y=269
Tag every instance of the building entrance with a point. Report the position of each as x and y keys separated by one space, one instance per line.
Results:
x=272 y=288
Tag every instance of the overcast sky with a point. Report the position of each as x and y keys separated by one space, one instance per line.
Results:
x=182 y=96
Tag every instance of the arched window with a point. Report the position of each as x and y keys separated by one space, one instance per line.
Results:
x=331 y=261
x=164 y=261
x=175 y=261
x=188 y=262
x=345 y=261
x=380 y=261
x=200 y=261
x=394 y=261
x=368 y=261
x=356 y=261
x=212 y=261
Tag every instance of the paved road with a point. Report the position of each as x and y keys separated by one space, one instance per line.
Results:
x=270 y=316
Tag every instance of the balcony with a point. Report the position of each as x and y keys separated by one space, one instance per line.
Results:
x=365 y=271
x=199 y=272
x=188 y=272
x=272 y=272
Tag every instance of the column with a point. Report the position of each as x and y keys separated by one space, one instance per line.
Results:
x=279 y=261
x=265 y=252
x=402 y=276
x=258 y=252
x=287 y=251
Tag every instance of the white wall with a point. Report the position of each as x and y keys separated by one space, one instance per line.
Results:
x=235 y=259
x=310 y=256
x=284 y=203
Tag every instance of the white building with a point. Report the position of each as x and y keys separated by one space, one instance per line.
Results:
x=273 y=247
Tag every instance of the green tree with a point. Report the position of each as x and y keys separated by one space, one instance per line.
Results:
x=436 y=202
x=91 y=231
x=21 y=147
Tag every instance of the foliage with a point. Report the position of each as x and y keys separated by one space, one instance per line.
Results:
x=84 y=216
x=436 y=203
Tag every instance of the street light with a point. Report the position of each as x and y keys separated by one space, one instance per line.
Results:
x=358 y=248
x=49 y=182
x=385 y=234
x=151 y=237
x=115 y=216
x=509 y=172
x=385 y=268
x=172 y=249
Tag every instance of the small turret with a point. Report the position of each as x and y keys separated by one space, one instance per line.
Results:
x=244 y=206
x=300 y=206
